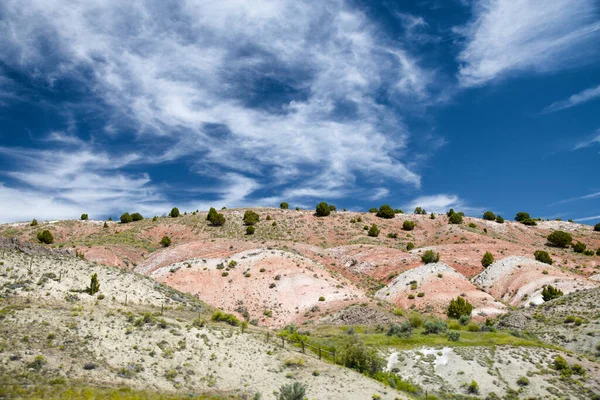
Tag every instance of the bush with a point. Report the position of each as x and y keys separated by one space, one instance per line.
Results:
x=361 y=358
x=455 y=219
x=373 y=210
x=37 y=363
x=94 y=285
x=34 y=222
x=398 y=211
x=392 y=235
x=126 y=218
x=453 y=336
x=219 y=316
x=472 y=225
x=597 y=227
x=487 y=260
x=215 y=218
x=323 y=209
x=550 y=292
x=174 y=212
x=165 y=241
x=408 y=225
x=489 y=216
x=251 y=218
x=560 y=363
x=529 y=222
x=420 y=211
x=385 y=211
x=473 y=387
x=543 y=256
x=432 y=216
x=136 y=217
x=435 y=326
x=212 y=213
x=560 y=239
x=84 y=217
x=598 y=251
x=45 y=236
x=499 y=219
x=430 y=257
x=373 y=231
x=403 y=330
x=522 y=216
x=589 y=252
x=332 y=207
x=321 y=298
x=250 y=230
x=291 y=391
x=284 y=206
x=410 y=246
x=522 y=381
x=459 y=307
x=579 y=247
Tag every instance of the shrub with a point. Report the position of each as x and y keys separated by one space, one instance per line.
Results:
x=94 y=285
x=523 y=381
x=499 y=219
x=473 y=387
x=155 y=218
x=464 y=319
x=435 y=326
x=126 y=218
x=432 y=216
x=284 y=206
x=550 y=292
x=251 y=218
x=215 y=218
x=560 y=363
x=589 y=252
x=392 y=235
x=430 y=257
x=323 y=209
x=398 y=211
x=450 y=212
x=529 y=222
x=321 y=298
x=489 y=216
x=597 y=227
x=453 y=336
x=543 y=256
x=522 y=216
x=136 y=217
x=37 y=363
x=373 y=231
x=410 y=246
x=174 y=212
x=291 y=391
x=361 y=358
x=219 y=316
x=598 y=251
x=415 y=320
x=212 y=213
x=332 y=207
x=459 y=307
x=408 y=225
x=385 y=211
x=403 y=330
x=560 y=239
x=373 y=210
x=579 y=247
x=84 y=217
x=105 y=225
x=411 y=296
x=34 y=222
x=421 y=294
x=455 y=219
x=487 y=260
x=45 y=236
x=420 y=211
x=472 y=225
x=250 y=230
x=268 y=218
x=165 y=241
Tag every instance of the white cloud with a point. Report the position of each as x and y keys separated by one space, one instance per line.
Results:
x=589 y=142
x=574 y=100
x=595 y=217
x=585 y=197
x=189 y=75
x=508 y=36
x=379 y=193
x=440 y=203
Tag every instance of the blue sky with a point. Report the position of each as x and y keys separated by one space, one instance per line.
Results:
x=116 y=106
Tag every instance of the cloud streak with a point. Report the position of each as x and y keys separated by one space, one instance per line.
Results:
x=574 y=100
x=511 y=36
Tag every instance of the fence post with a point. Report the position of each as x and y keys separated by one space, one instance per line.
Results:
x=125 y=299
x=162 y=306
x=282 y=342
x=302 y=346
x=319 y=353
x=334 y=359
x=268 y=336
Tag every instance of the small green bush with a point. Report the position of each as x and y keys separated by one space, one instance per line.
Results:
x=323 y=209
x=392 y=235
x=34 y=222
x=489 y=216
x=579 y=247
x=432 y=216
x=385 y=211
x=487 y=260
x=408 y=225
x=597 y=227
x=251 y=218
x=250 y=230
x=472 y=225
x=291 y=391
x=522 y=216
x=403 y=330
x=230 y=319
x=499 y=219
x=455 y=219
x=37 y=363
x=560 y=363
x=321 y=298
x=398 y=211
x=459 y=307
x=523 y=381
x=543 y=256
x=560 y=239
x=174 y=212
x=373 y=210
x=450 y=212
x=420 y=211
x=136 y=217
x=45 y=236
x=550 y=292
x=435 y=326
x=453 y=336
x=430 y=256
x=589 y=252
x=84 y=217
x=373 y=231
x=410 y=246
x=165 y=241
x=529 y=222
x=284 y=206
x=126 y=218
x=473 y=387
x=94 y=285
x=215 y=218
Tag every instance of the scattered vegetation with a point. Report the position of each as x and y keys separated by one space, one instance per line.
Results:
x=165 y=241
x=550 y=292
x=251 y=218
x=174 y=212
x=489 y=216
x=323 y=209
x=408 y=225
x=430 y=256
x=84 y=217
x=560 y=239
x=284 y=206
x=373 y=231
x=45 y=236
x=487 y=260
x=94 y=285
x=455 y=219
x=459 y=307
x=230 y=319
x=543 y=256
x=385 y=211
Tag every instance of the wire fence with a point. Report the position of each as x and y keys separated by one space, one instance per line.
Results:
x=301 y=346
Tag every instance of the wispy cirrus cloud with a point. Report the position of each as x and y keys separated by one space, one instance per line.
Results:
x=579 y=98
x=590 y=141
x=578 y=198
x=595 y=217
x=510 y=36
x=268 y=93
